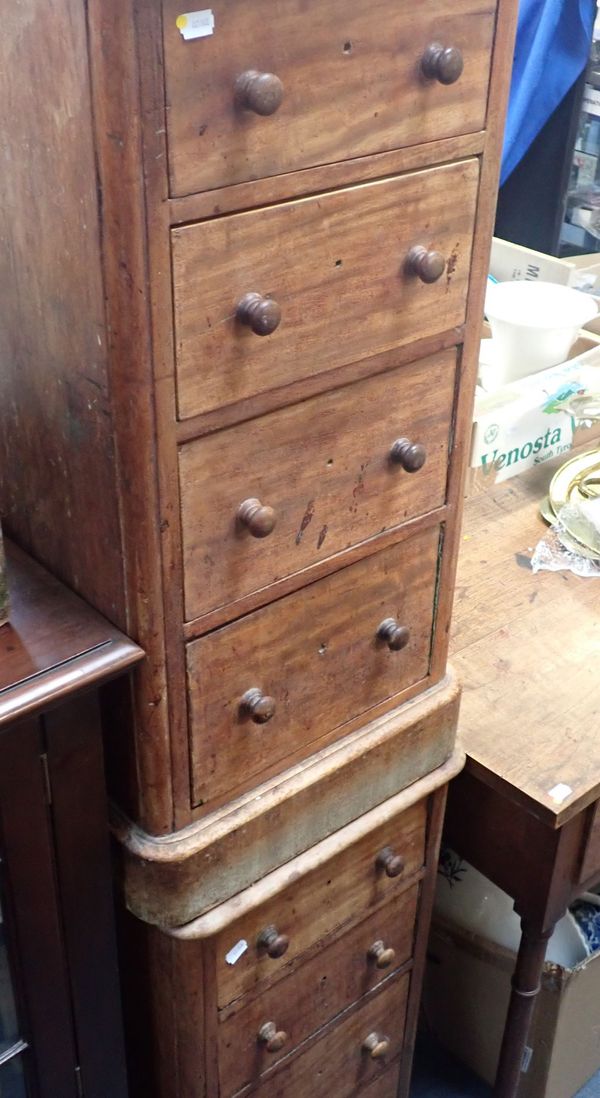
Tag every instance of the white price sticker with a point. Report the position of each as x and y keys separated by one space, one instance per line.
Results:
x=560 y=792
x=236 y=952
x=196 y=24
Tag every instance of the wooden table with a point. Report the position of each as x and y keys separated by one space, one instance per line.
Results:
x=526 y=810
x=60 y=1028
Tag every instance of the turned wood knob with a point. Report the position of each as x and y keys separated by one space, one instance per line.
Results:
x=260 y=520
x=261 y=314
x=390 y=862
x=410 y=455
x=382 y=957
x=274 y=943
x=395 y=636
x=376 y=1045
x=442 y=63
x=272 y=1038
x=260 y=707
x=261 y=92
x=428 y=265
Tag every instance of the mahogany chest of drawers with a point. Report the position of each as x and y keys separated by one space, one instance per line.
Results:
x=244 y=252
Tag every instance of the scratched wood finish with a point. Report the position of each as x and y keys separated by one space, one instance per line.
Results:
x=318 y=655
x=339 y=974
x=56 y=438
x=322 y=900
x=352 y=84
x=336 y=1062
x=526 y=647
x=324 y=466
x=337 y=266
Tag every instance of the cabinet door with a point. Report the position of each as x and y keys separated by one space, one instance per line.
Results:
x=37 y=1047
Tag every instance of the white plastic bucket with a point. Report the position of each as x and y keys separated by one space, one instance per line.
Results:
x=534 y=325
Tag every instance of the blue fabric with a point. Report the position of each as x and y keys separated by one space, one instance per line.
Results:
x=553 y=44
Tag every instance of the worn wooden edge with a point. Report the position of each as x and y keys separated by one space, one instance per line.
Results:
x=553 y=815
x=50 y=688
x=170 y=880
x=270 y=886
x=312 y=181
x=164 y=848
x=118 y=139
x=499 y=86
x=437 y=807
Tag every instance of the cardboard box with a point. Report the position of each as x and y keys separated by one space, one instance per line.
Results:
x=522 y=424
x=465 y=999
x=511 y=261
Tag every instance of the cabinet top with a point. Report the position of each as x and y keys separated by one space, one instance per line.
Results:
x=54 y=644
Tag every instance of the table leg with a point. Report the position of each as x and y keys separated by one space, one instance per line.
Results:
x=525 y=988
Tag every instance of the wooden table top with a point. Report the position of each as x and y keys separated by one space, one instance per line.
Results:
x=54 y=643
x=527 y=649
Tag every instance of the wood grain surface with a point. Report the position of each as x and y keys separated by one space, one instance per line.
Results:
x=527 y=648
x=336 y=264
x=335 y=1062
x=352 y=85
x=324 y=466
x=54 y=644
x=319 y=902
x=338 y=975
x=317 y=654
x=57 y=449
x=173 y=881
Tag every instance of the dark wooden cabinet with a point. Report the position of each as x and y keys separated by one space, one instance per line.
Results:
x=60 y=1027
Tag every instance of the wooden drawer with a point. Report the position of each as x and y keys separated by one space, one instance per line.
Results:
x=337 y=265
x=339 y=975
x=327 y=897
x=311 y=662
x=338 y=1065
x=325 y=467
x=352 y=84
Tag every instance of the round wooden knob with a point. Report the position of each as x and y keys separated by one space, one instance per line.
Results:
x=274 y=943
x=261 y=314
x=261 y=92
x=376 y=1045
x=410 y=455
x=442 y=63
x=395 y=636
x=382 y=957
x=259 y=706
x=391 y=863
x=428 y=265
x=272 y=1038
x=258 y=519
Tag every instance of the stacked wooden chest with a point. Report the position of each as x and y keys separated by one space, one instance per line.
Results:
x=244 y=252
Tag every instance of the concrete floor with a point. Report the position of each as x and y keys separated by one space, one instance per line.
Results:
x=438 y=1075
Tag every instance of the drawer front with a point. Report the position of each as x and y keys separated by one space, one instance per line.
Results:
x=329 y=896
x=352 y=84
x=317 y=992
x=341 y=1063
x=281 y=680
x=325 y=467
x=337 y=267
